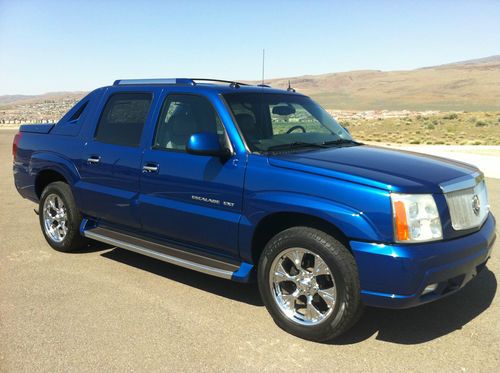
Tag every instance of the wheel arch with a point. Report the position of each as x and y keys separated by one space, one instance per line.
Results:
x=45 y=177
x=274 y=223
x=50 y=167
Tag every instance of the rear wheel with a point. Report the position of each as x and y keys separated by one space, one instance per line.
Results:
x=309 y=283
x=60 y=219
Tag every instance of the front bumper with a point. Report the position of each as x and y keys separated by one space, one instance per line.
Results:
x=395 y=276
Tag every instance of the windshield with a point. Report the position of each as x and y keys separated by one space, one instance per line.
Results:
x=276 y=122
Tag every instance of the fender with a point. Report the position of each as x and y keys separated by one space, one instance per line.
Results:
x=45 y=160
x=351 y=222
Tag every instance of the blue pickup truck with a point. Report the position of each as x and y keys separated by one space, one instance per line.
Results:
x=251 y=183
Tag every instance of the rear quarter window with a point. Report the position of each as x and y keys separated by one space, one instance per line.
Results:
x=78 y=114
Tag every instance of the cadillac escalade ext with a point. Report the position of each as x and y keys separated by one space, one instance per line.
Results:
x=251 y=183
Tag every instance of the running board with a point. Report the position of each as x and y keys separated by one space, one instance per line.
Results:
x=169 y=254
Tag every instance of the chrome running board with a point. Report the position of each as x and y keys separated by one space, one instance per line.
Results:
x=169 y=254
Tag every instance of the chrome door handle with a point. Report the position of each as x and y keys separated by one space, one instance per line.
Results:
x=93 y=159
x=149 y=168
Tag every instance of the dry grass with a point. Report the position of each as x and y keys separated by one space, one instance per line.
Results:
x=476 y=128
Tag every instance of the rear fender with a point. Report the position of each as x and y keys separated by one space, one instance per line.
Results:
x=42 y=161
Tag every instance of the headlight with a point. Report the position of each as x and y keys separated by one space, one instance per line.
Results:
x=415 y=217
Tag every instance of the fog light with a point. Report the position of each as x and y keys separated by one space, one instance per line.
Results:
x=429 y=289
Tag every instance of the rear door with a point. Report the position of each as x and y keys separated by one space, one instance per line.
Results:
x=193 y=199
x=111 y=165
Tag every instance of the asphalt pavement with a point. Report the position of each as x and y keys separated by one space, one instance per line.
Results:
x=107 y=309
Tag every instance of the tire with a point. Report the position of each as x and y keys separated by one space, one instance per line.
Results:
x=329 y=303
x=57 y=210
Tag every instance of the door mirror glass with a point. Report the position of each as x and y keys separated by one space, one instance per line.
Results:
x=205 y=143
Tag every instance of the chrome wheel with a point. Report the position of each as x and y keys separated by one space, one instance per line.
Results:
x=55 y=218
x=302 y=286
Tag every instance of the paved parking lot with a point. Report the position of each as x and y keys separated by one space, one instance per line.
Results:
x=111 y=310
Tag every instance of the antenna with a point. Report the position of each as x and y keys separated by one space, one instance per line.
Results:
x=263 y=62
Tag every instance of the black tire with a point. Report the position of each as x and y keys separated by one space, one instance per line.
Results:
x=347 y=308
x=73 y=240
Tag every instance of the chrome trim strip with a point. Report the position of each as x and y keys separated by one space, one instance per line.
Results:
x=463 y=182
x=160 y=256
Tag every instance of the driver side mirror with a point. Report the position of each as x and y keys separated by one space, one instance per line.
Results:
x=206 y=143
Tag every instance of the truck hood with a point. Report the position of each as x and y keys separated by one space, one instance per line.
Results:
x=389 y=169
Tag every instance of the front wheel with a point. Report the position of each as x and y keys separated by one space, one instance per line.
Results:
x=309 y=283
x=60 y=219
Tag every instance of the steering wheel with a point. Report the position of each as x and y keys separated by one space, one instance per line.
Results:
x=290 y=130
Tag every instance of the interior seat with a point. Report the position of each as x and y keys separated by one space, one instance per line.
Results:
x=180 y=127
x=247 y=124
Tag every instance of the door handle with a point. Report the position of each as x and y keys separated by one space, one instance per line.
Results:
x=150 y=168
x=93 y=159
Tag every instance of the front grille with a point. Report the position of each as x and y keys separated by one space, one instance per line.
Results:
x=468 y=207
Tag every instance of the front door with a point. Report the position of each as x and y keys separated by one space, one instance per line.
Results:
x=192 y=199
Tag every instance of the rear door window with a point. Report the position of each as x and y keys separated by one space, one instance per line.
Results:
x=123 y=119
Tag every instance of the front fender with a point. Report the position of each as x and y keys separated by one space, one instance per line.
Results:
x=352 y=222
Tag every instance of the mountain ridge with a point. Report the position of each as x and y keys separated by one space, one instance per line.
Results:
x=470 y=85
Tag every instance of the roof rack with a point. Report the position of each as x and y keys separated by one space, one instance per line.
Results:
x=188 y=81
x=232 y=83
x=153 y=81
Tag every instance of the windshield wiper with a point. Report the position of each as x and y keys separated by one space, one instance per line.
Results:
x=341 y=142
x=296 y=144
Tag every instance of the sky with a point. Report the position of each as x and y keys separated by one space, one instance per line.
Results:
x=48 y=46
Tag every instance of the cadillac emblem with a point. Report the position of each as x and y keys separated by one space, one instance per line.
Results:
x=476 y=205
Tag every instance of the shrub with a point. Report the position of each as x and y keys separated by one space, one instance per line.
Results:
x=451 y=116
x=481 y=123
